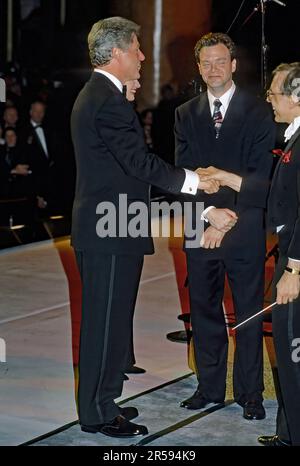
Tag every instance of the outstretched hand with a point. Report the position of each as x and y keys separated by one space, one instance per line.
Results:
x=223 y=177
x=209 y=186
x=212 y=173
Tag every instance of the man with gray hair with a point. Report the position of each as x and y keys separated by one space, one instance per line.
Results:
x=112 y=159
x=284 y=217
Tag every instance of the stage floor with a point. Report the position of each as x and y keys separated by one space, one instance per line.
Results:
x=37 y=379
x=170 y=425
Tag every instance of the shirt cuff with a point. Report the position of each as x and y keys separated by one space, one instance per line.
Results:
x=191 y=182
x=295 y=260
x=205 y=211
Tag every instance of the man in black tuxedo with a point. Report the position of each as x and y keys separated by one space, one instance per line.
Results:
x=284 y=216
x=230 y=134
x=112 y=159
x=38 y=142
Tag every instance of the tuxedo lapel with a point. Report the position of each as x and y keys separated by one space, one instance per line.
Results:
x=279 y=163
x=286 y=149
x=37 y=140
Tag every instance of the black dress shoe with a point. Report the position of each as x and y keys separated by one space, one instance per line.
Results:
x=197 y=401
x=254 y=409
x=118 y=427
x=129 y=412
x=135 y=370
x=272 y=441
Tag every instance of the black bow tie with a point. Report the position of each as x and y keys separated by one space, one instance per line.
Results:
x=38 y=126
x=124 y=90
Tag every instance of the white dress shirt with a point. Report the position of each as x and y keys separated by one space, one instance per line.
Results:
x=190 y=185
x=225 y=101
x=41 y=135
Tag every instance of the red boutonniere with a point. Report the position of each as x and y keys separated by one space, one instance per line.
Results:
x=285 y=157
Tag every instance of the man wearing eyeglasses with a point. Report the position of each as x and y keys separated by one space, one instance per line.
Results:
x=230 y=134
x=284 y=216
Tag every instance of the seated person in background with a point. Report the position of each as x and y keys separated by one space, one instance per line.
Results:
x=13 y=168
x=10 y=118
x=39 y=144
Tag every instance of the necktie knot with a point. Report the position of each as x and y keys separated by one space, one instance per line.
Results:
x=217 y=104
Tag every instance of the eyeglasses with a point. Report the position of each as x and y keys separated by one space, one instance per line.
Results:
x=270 y=93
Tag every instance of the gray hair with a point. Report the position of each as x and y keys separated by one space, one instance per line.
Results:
x=107 y=34
x=291 y=84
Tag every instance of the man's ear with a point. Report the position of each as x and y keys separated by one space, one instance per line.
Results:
x=115 y=53
x=294 y=100
x=295 y=96
x=233 y=65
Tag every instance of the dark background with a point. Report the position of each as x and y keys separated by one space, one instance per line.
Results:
x=39 y=40
x=281 y=26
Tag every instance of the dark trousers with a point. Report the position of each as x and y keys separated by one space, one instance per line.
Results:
x=286 y=328
x=109 y=290
x=130 y=355
x=206 y=288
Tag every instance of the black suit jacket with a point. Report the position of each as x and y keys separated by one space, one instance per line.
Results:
x=112 y=159
x=284 y=200
x=244 y=148
x=40 y=164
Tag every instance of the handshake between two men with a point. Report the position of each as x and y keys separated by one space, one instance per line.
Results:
x=221 y=220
